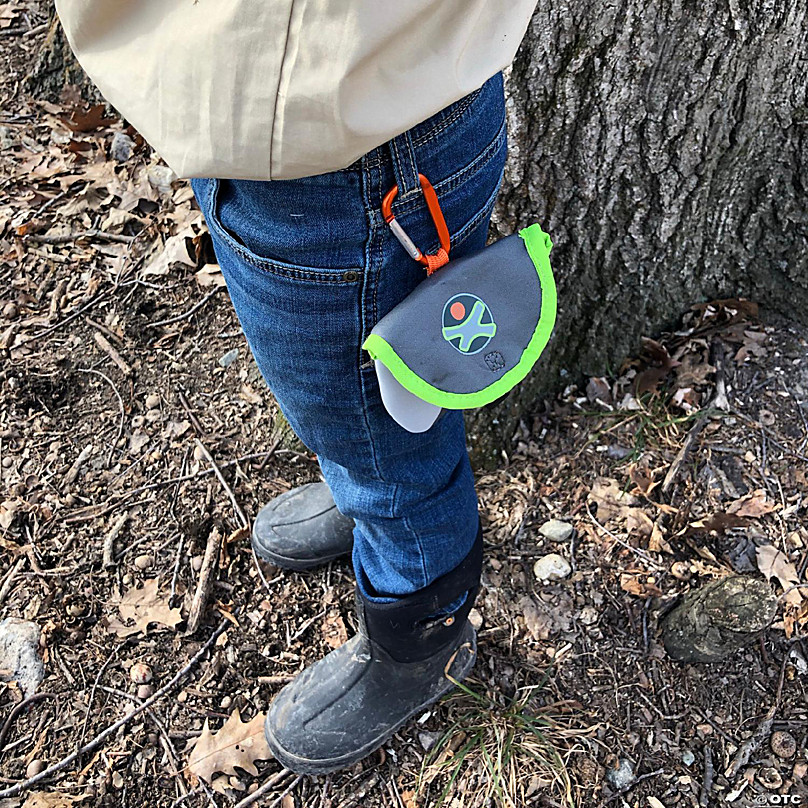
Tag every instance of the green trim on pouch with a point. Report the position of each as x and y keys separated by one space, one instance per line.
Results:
x=538 y=245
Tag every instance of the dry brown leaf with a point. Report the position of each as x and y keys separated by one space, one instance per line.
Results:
x=334 y=632
x=51 y=799
x=610 y=498
x=657 y=543
x=774 y=563
x=236 y=744
x=752 y=505
x=638 y=522
x=718 y=522
x=641 y=588
x=176 y=249
x=658 y=364
x=143 y=606
x=210 y=275
x=752 y=346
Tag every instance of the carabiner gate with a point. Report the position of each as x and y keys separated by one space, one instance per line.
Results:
x=432 y=261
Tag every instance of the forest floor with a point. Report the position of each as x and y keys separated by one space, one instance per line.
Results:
x=136 y=434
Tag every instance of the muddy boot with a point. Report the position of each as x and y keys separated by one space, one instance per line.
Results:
x=345 y=706
x=301 y=528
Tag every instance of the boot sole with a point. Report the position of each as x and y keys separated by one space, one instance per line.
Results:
x=297 y=564
x=301 y=765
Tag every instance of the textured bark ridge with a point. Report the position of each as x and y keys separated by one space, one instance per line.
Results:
x=664 y=147
x=719 y=618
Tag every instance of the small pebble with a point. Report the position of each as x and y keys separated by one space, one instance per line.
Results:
x=145 y=692
x=428 y=739
x=152 y=401
x=228 y=359
x=476 y=619
x=35 y=767
x=555 y=530
x=551 y=567
x=226 y=703
x=127 y=579
x=622 y=775
x=143 y=562
x=122 y=147
x=10 y=311
x=140 y=673
x=196 y=563
x=688 y=758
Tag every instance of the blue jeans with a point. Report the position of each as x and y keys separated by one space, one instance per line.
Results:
x=311 y=266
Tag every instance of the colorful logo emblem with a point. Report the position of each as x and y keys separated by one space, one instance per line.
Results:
x=468 y=324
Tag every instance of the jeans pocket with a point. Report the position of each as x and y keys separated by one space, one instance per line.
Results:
x=289 y=228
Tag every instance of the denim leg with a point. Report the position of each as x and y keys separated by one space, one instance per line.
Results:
x=310 y=267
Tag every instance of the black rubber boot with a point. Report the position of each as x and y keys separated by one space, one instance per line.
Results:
x=301 y=529
x=348 y=704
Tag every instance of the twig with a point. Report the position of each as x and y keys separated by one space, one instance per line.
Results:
x=29 y=338
x=205 y=579
x=188 y=313
x=94 y=688
x=745 y=752
x=644 y=556
x=176 y=573
x=105 y=345
x=684 y=452
x=120 y=405
x=217 y=471
x=111 y=730
x=109 y=540
x=73 y=471
x=64 y=238
x=268 y=786
x=165 y=738
x=12 y=574
x=17 y=710
x=707 y=784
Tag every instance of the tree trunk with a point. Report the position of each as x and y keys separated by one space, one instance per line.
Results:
x=664 y=147
x=55 y=67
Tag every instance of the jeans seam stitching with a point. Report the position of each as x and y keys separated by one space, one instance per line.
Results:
x=458 y=178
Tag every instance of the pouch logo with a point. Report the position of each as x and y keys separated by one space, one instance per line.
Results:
x=468 y=324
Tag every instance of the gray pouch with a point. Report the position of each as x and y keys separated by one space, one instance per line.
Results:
x=467 y=334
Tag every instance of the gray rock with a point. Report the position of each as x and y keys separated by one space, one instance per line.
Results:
x=622 y=776
x=556 y=530
x=19 y=654
x=428 y=739
x=552 y=567
x=7 y=137
x=122 y=147
x=229 y=358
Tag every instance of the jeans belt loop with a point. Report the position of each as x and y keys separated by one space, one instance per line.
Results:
x=404 y=165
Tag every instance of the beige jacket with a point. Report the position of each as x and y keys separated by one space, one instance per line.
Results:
x=278 y=89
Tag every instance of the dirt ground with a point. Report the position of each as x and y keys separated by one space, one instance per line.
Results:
x=127 y=391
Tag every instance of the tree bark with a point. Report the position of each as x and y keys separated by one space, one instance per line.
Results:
x=664 y=147
x=55 y=67
x=717 y=619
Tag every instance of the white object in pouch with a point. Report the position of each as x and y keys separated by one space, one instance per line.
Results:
x=405 y=408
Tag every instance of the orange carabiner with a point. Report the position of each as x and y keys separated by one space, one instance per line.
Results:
x=432 y=261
